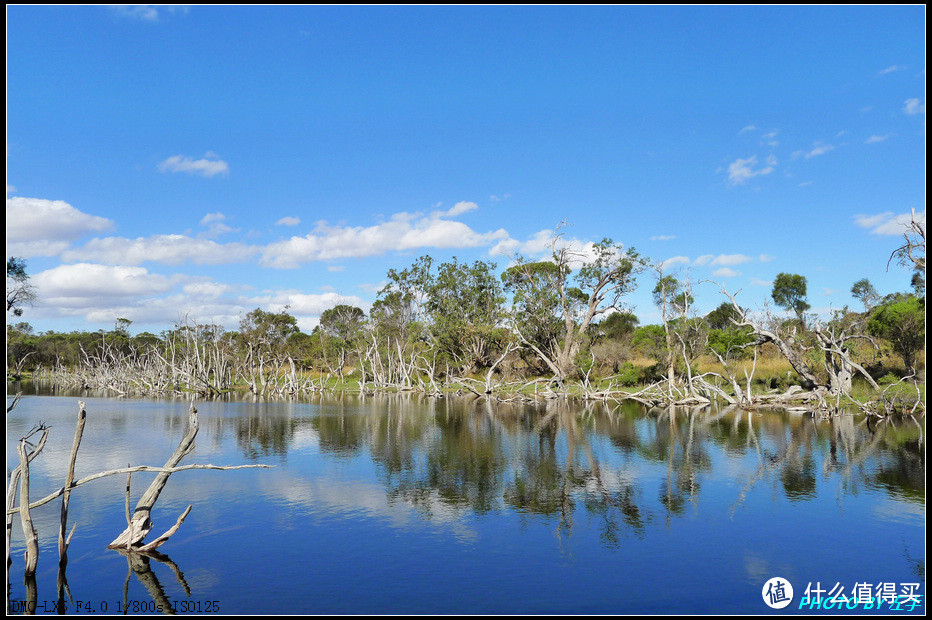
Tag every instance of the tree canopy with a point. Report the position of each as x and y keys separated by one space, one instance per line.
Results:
x=19 y=292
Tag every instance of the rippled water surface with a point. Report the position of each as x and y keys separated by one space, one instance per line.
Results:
x=417 y=505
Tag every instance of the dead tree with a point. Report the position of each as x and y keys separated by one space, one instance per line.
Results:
x=139 y=522
x=833 y=340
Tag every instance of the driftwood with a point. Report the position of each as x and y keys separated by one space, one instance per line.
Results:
x=16 y=477
x=29 y=530
x=139 y=522
x=69 y=479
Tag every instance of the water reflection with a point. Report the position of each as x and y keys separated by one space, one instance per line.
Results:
x=621 y=464
x=621 y=476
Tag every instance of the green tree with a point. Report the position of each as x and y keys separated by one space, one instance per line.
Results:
x=545 y=300
x=615 y=326
x=721 y=317
x=789 y=292
x=864 y=291
x=465 y=305
x=343 y=322
x=902 y=322
x=19 y=292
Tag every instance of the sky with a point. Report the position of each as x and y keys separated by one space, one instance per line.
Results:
x=166 y=162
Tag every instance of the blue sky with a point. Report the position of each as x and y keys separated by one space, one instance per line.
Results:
x=212 y=160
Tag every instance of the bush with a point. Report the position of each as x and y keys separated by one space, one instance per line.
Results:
x=888 y=379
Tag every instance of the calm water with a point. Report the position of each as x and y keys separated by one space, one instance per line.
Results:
x=416 y=505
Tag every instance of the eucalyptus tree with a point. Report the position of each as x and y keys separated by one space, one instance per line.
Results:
x=672 y=300
x=789 y=292
x=864 y=291
x=413 y=283
x=550 y=315
x=343 y=322
x=465 y=305
x=263 y=337
x=343 y=325
x=390 y=338
x=901 y=321
x=19 y=292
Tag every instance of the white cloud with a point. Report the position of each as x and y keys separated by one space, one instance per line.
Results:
x=89 y=285
x=39 y=227
x=146 y=12
x=457 y=209
x=288 y=221
x=166 y=249
x=875 y=139
x=746 y=129
x=725 y=272
x=494 y=198
x=723 y=259
x=819 y=149
x=759 y=282
x=742 y=170
x=209 y=166
x=663 y=237
x=765 y=258
x=207 y=289
x=731 y=259
x=887 y=223
x=404 y=231
x=303 y=304
x=891 y=69
x=676 y=260
x=215 y=225
x=213 y=217
x=770 y=139
x=914 y=106
x=143 y=12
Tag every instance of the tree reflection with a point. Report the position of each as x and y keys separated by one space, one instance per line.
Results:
x=622 y=465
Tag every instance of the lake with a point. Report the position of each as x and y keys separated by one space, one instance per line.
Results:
x=409 y=504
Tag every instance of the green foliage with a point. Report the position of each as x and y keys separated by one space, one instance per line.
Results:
x=728 y=342
x=902 y=322
x=465 y=305
x=650 y=341
x=19 y=292
x=918 y=282
x=535 y=299
x=342 y=322
x=267 y=330
x=722 y=317
x=670 y=296
x=413 y=284
x=888 y=379
x=789 y=292
x=615 y=326
x=865 y=292
x=629 y=374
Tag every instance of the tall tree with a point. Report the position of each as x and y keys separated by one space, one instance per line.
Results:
x=789 y=292
x=19 y=292
x=864 y=291
x=465 y=305
x=902 y=322
x=544 y=296
x=343 y=322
